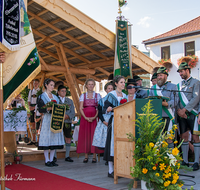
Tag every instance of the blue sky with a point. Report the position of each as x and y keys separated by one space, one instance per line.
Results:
x=148 y=17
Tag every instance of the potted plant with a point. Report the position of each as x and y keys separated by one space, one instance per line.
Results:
x=155 y=164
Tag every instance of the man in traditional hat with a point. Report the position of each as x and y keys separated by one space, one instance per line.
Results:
x=187 y=110
x=154 y=79
x=139 y=92
x=69 y=115
x=162 y=89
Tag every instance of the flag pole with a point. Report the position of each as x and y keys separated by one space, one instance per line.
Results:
x=2 y=129
x=120 y=11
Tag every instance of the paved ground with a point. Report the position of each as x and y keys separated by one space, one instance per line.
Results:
x=96 y=174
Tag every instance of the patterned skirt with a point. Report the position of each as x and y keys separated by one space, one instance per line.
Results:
x=100 y=134
x=48 y=139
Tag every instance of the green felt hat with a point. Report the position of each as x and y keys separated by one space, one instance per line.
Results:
x=182 y=66
x=136 y=78
x=154 y=76
x=162 y=70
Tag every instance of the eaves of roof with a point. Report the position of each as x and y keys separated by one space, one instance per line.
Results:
x=168 y=38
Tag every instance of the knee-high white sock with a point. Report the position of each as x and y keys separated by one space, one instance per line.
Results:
x=55 y=154
x=52 y=152
x=67 y=149
x=185 y=148
x=196 y=152
x=111 y=167
x=46 y=155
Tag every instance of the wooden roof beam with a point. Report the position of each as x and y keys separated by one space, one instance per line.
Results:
x=137 y=69
x=52 y=73
x=42 y=12
x=140 y=73
x=65 y=48
x=30 y=2
x=66 y=30
x=99 y=64
x=57 y=79
x=41 y=42
x=50 y=46
x=67 y=35
x=62 y=69
x=48 y=52
x=53 y=22
x=54 y=62
x=80 y=20
x=103 y=71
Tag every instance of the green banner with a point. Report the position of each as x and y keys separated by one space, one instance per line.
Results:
x=57 y=118
x=123 y=65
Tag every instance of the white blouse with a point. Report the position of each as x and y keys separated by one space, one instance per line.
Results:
x=81 y=99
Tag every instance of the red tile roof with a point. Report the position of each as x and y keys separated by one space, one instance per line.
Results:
x=188 y=27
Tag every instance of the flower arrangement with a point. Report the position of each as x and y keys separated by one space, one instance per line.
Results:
x=49 y=104
x=190 y=59
x=155 y=163
x=163 y=61
x=122 y=101
x=166 y=63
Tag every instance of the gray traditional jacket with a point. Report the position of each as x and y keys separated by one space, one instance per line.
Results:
x=71 y=111
x=192 y=86
x=141 y=93
x=170 y=95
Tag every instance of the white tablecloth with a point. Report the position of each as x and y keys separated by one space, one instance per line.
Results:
x=16 y=123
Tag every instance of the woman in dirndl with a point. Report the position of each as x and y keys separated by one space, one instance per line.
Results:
x=100 y=134
x=48 y=139
x=88 y=122
x=131 y=83
x=112 y=100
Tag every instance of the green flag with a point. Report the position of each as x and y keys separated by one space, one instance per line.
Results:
x=123 y=62
x=21 y=66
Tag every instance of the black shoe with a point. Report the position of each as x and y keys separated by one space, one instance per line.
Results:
x=31 y=143
x=85 y=160
x=185 y=164
x=195 y=166
x=94 y=160
x=54 y=164
x=68 y=159
x=54 y=159
x=17 y=142
x=106 y=163
x=36 y=144
x=49 y=164
x=111 y=175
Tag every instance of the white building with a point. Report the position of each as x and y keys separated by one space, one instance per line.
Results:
x=181 y=41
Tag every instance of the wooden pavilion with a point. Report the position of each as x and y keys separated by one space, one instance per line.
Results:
x=73 y=47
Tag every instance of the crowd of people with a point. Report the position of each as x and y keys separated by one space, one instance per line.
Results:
x=96 y=133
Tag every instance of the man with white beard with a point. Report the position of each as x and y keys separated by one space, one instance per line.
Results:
x=161 y=89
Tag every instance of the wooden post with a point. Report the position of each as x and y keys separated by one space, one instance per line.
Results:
x=69 y=78
x=42 y=79
x=2 y=129
x=77 y=86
